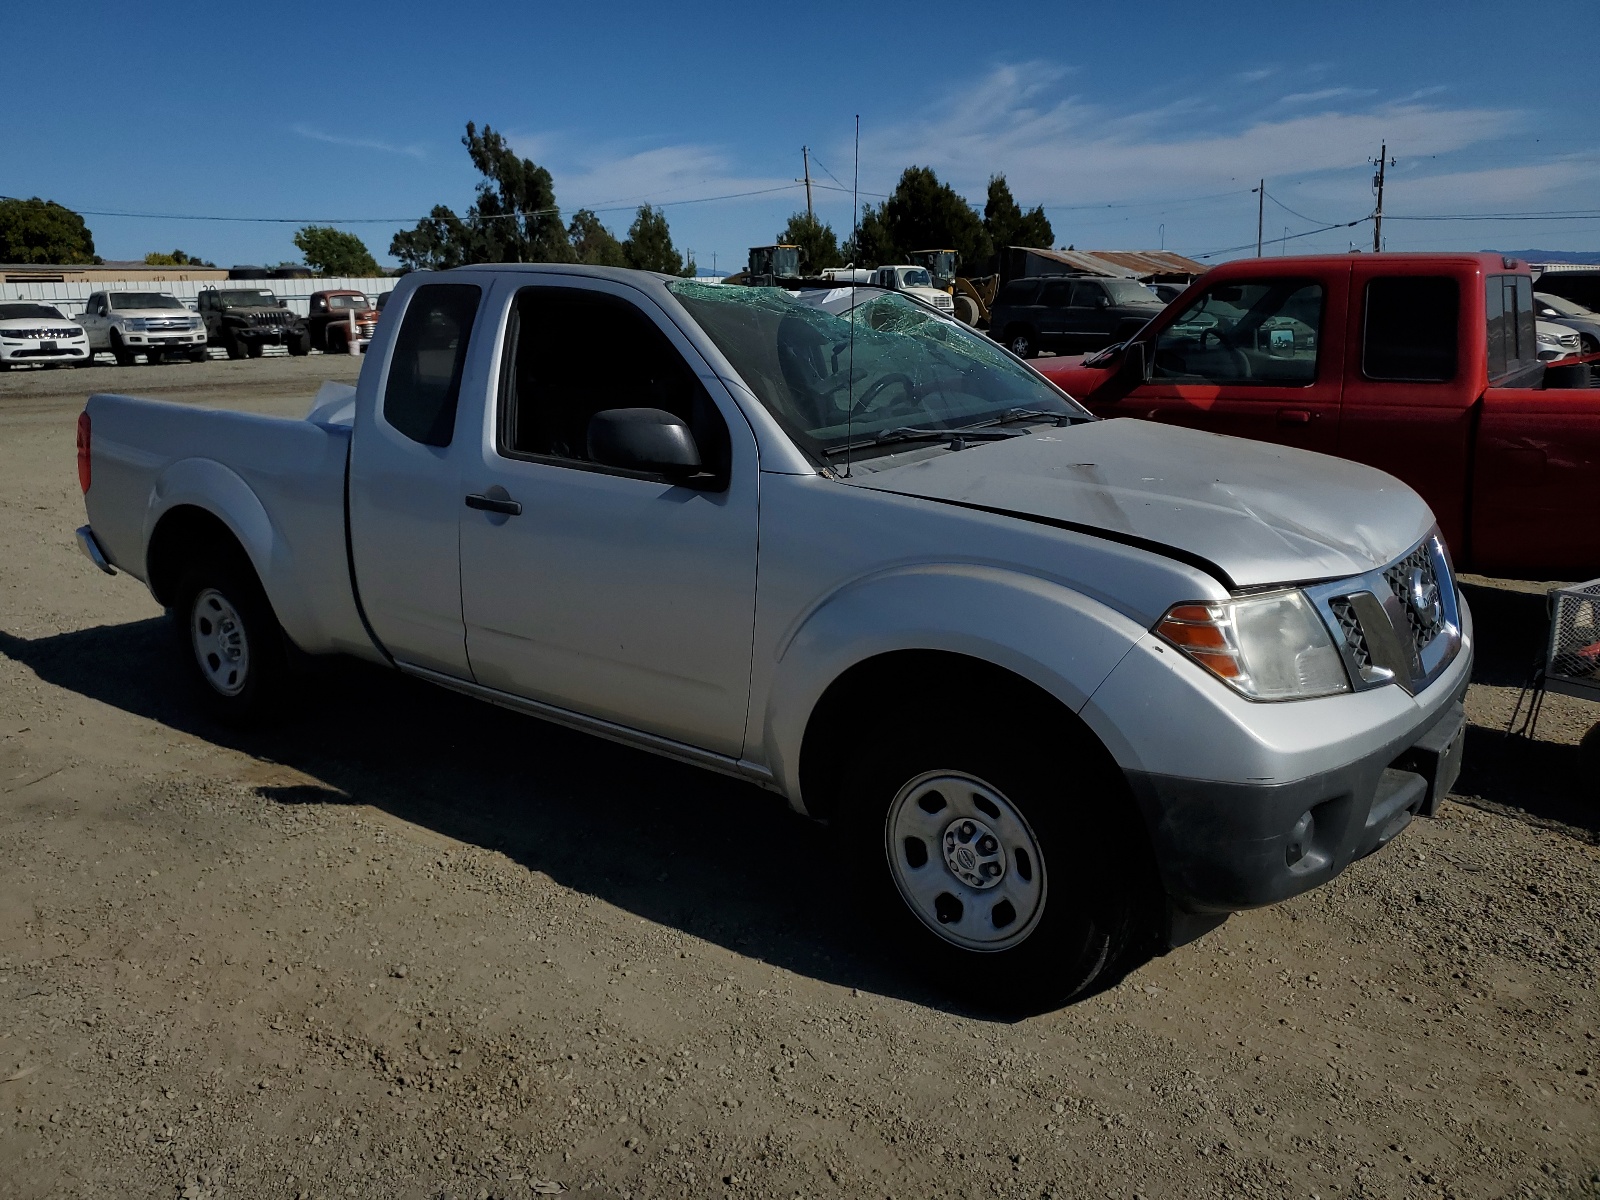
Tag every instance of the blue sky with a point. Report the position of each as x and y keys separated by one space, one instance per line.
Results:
x=1133 y=124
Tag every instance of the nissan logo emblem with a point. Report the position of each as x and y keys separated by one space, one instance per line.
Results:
x=1423 y=596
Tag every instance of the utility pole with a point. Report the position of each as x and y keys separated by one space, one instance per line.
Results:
x=1377 y=182
x=805 y=155
x=1261 y=213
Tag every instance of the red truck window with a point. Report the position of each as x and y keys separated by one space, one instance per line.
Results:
x=1508 y=300
x=1265 y=333
x=1409 y=332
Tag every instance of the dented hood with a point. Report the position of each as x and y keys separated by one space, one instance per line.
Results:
x=1250 y=513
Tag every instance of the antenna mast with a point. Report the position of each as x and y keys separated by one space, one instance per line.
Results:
x=855 y=247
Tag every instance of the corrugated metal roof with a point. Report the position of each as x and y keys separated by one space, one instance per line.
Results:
x=1126 y=264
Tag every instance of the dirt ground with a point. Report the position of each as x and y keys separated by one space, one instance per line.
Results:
x=406 y=945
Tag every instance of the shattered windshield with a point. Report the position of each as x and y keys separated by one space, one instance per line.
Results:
x=912 y=367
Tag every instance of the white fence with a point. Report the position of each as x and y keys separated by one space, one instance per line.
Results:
x=295 y=293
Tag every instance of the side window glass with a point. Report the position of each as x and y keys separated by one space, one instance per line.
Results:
x=1056 y=295
x=1019 y=291
x=429 y=353
x=1410 y=329
x=1086 y=295
x=1495 y=310
x=1264 y=333
x=1527 y=341
x=562 y=367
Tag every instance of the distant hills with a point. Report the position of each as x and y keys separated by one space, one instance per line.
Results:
x=1591 y=258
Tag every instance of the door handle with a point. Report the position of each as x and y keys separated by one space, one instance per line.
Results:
x=1293 y=416
x=494 y=504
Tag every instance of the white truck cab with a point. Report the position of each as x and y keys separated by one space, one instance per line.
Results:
x=154 y=324
x=915 y=282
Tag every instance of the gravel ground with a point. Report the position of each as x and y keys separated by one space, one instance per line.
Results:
x=405 y=945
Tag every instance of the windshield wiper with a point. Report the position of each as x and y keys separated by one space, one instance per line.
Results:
x=1020 y=414
x=958 y=438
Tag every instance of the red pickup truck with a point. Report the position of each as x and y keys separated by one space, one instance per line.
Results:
x=1424 y=365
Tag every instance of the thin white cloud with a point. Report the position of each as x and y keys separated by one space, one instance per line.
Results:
x=334 y=139
x=619 y=178
x=1257 y=75
x=1332 y=93
x=1062 y=149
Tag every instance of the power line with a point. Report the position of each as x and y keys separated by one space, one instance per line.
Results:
x=1290 y=238
x=541 y=212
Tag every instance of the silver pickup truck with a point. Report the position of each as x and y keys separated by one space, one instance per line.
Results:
x=1069 y=689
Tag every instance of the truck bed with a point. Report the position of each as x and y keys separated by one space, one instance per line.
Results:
x=276 y=482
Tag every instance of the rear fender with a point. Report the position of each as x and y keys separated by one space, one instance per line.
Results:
x=1039 y=630
x=206 y=484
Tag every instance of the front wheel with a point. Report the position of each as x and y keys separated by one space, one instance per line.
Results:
x=300 y=345
x=234 y=644
x=1022 y=343
x=232 y=344
x=121 y=353
x=1012 y=874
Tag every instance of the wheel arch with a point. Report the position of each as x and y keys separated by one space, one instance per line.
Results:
x=198 y=506
x=990 y=625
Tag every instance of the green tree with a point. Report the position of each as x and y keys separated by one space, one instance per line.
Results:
x=593 y=243
x=920 y=214
x=330 y=251
x=649 y=245
x=42 y=231
x=513 y=219
x=1007 y=225
x=175 y=259
x=819 y=248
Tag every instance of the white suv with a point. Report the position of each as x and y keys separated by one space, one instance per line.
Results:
x=154 y=324
x=31 y=332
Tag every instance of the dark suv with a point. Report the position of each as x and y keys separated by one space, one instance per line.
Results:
x=1071 y=313
x=248 y=320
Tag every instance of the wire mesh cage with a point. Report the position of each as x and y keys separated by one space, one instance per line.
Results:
x=1572 y=659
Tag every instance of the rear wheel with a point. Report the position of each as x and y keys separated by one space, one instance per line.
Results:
x=153 y=357
x=1012 y=873
x=198 y=354
x=300 y=345
x=254 y=349
x=1020 y=341
x=233 y=642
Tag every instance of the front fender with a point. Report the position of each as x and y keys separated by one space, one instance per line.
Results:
x=1044 y=632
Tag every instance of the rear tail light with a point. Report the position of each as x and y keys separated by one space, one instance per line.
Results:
x=83 y=450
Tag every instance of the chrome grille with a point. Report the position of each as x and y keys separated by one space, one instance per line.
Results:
x=1415 y=571
x=167 y=324
x=1355 y=639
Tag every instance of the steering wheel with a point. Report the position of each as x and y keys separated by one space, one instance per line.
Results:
x=877 y=389
x=1236 y=357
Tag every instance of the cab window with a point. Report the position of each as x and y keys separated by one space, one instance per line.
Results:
x=561 y=367
x=1087 y=295
x=1056 y=294
x=1264 y=333
x=1409 y=331
x=429 y=353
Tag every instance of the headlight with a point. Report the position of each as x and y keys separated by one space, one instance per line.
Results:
x=1271 y=647
x=1548 y=339
x=137 y=324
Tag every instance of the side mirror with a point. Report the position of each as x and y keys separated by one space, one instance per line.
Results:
x=1135 y=367
x=644 y=439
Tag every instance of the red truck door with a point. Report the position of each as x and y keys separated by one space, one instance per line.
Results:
x=1257 y=357
x=1413 y=378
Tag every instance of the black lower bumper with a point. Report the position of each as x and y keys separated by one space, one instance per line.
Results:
x=1222 y=847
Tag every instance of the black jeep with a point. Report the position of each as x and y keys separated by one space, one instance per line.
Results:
x=245 y=321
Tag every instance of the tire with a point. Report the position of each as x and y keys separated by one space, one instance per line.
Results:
x=254 y=349
x=300 y=345
x=155 y=357
x=230 y=638
x=232 y=345
x=1058 y=866
x=5 y=366
x=199 y=354
x=87 y=361
x=121 y=353
x=1020 y=340
x=334 y=343
x=967 y=310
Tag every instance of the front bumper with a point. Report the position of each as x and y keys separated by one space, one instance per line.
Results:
x=163 y=338
x=1223 y=847
x=267 y=335
x=44 y=351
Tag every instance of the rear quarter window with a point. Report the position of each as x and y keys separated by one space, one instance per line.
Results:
x=1411 y=330
x=430 y=352
x=1018 y=291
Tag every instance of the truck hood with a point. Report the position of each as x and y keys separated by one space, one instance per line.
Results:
x=1249 y=513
